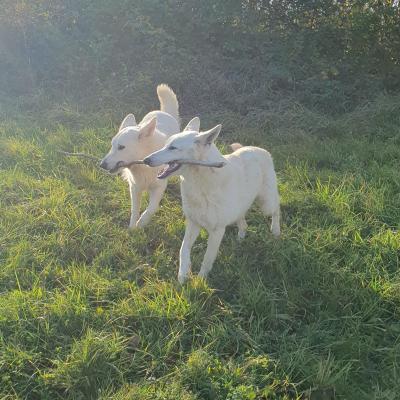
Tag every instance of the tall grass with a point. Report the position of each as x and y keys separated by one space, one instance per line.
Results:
x=89 y=310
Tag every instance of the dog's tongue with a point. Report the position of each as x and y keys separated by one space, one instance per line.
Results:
x=168 y=170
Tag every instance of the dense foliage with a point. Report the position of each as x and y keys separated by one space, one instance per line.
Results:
x=327 y=55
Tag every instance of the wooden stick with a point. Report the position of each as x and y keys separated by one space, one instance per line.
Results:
x=129 y=164
x=219 y=164
x=83 y=155
x=191 y=162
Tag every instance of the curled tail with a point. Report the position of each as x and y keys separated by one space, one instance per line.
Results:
x=168 y=101
x=236 y=146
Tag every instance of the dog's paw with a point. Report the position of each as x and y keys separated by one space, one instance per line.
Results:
x=202 y=274
x=276 y=232
x=241 y=235
x=142 y=223
x=132 y=225
x=182 y=278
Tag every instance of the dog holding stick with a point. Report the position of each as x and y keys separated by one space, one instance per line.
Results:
x=136 y=141
x=213 y=198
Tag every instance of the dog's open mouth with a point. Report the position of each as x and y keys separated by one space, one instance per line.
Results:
x=169 y=169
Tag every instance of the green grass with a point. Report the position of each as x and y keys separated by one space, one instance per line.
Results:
x=89 y=310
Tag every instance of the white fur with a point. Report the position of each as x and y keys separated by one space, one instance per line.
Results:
x=139 y=140
x=213 y=198
x=168 y=101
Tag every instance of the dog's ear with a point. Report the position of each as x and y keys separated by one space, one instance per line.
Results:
x=208 y=137
x=129 y=120
x=149 y=128
x=193 y=125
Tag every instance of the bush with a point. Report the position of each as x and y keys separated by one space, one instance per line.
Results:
x=232 y=54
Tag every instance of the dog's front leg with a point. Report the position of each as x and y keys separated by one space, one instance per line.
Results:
x=213 y=243
x=191 y=233
x=155 y=196
x=136 y=196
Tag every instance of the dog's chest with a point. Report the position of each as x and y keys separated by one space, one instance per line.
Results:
x=201 y=205
x=144 y=176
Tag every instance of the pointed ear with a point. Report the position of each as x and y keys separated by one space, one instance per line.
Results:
x=129 y=120
x=149 y=128
x=193 y=125
x=208 y=137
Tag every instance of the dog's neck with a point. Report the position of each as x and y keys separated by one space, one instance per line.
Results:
x=212 y=154
x=152 y=143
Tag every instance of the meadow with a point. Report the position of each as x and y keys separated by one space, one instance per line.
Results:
x=90 y=310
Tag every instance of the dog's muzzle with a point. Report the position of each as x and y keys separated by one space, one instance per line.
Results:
x=148 y=161
x=103 y=164
x=113 y=170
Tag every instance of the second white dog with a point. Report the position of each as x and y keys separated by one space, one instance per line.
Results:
x=214 y=198
x=136 y=141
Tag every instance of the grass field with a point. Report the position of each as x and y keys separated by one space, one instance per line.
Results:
x=89 y=310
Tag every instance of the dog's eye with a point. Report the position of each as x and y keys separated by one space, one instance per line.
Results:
x=171 y=148
x=121 y=147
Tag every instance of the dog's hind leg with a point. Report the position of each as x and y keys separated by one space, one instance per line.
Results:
x=270 y=207
x=242 y=226
x=213 y=243
x=269 y=202
x=275 y=225
x=136 y=196
x=155 y=196
x=191 y=233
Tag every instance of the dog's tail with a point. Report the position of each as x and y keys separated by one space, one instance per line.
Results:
x=168 y=101
x=236 y=146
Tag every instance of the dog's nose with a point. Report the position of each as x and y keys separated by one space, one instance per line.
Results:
x=103 y=164
x=147 y=161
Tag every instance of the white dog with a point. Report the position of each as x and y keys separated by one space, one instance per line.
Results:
x=214 y=198
x=136 y=141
